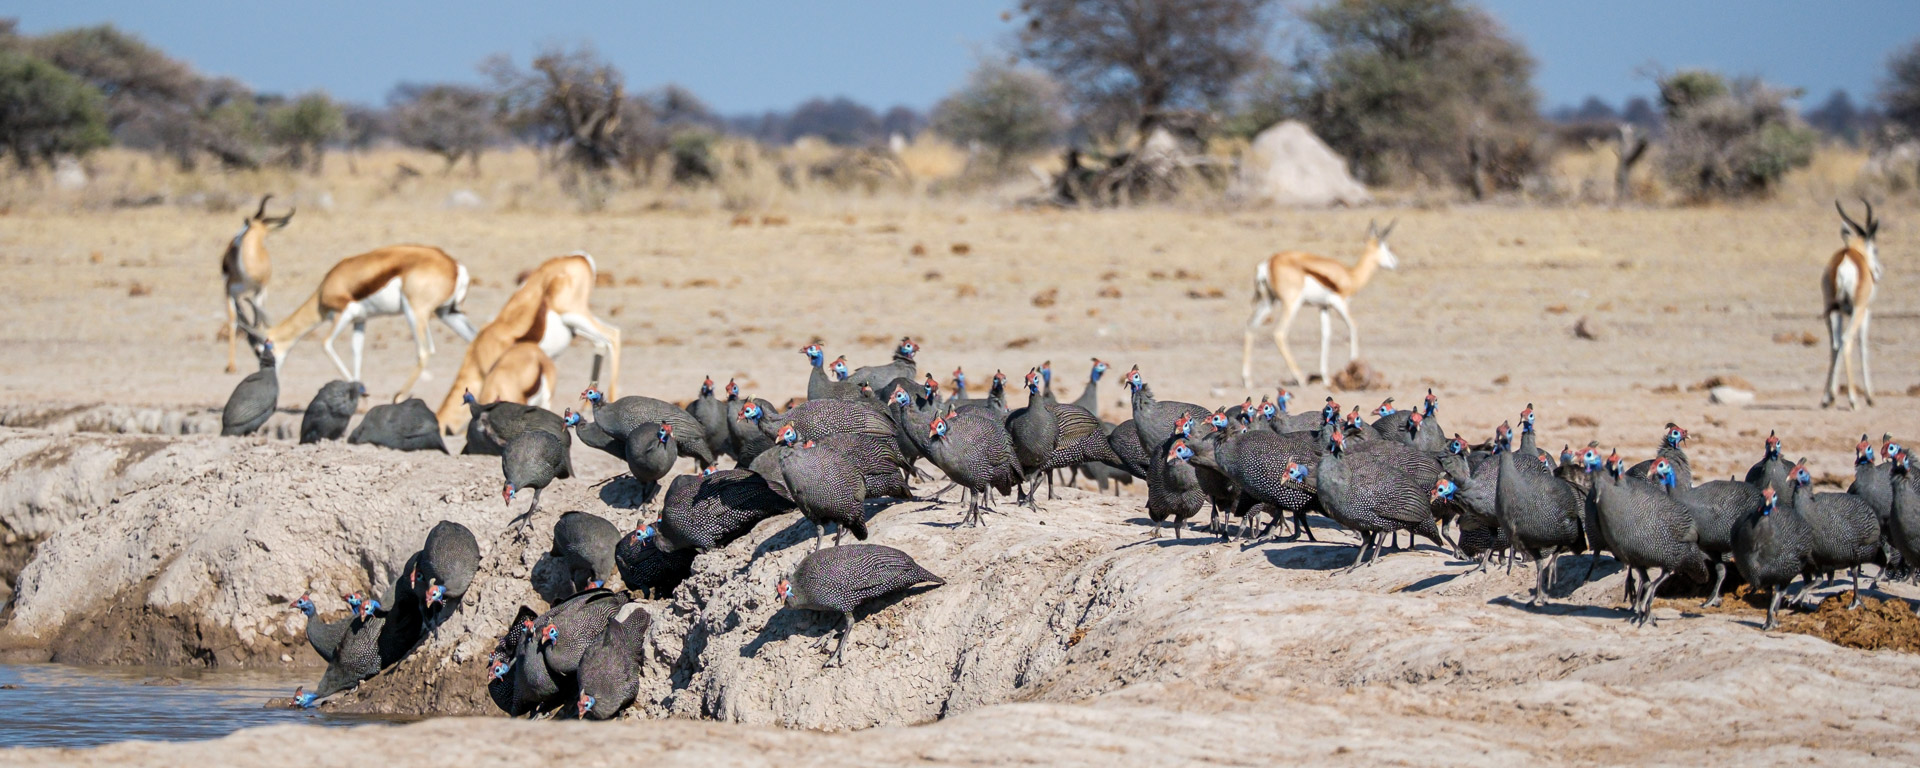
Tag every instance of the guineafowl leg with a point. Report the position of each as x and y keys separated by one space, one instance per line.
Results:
x=1300 y=526
x=1719 y=575
x=1539 y=584
x=1050 y=495
x=1856 y=569
x=1177 y=523
x=1653 y=591
x=1156 y=529
x=1366 y=540
x=840 y=648
x=1773 y=610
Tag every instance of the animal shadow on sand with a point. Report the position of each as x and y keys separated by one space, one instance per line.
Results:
x=801 y=531
x=623 y=492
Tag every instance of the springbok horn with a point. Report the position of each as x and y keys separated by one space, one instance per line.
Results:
x=1849 y=219
x=1872 y=225
x=1390 y=225
x=263 y=206
x=281 y=221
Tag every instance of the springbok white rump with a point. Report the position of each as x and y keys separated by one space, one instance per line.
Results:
x=245 y=269
x=414 y=281
x=1293 y=278
x=1846 y=290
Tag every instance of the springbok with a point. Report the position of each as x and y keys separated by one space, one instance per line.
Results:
x=245 y=268
x=1846 y=287
x=1293 y=278
x=417 y=282
x=525 y=375
x=549 y=309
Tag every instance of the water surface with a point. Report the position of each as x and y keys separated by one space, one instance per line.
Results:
x=53 y=705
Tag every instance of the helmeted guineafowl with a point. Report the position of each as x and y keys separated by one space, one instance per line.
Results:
x=531 y=460
x=1378 y=487
x=1173 y=488
x=1846 y=532
x=1715 y=506
x=902 y=366
x=585 y=542
x=254 y=398
x=841 y=579
x=325 y=635
x=622 y=416
x=819 y=386
x=703 y=512
x=330 y=410
x=825 y=486
x=976 y=453
x=610 y=669
x=648 y=570
x=407 y=426
x=1771 y=545
x=712 y=415
x=1645 y=528
x=1255 y=461
x=1089 y=398
x=1772 y=470
x=1903 y=518
x=1541 y=513
x=444 y=568
x=1671 y=451
x=1049 y=435
x=494 y=424
x=883 y=470
x=502 y=661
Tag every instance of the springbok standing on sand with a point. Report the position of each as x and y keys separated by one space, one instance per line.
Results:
x=1847 y=289
x=1293 y=278
x=245 y=269
x=549 y=309
x=417 y=282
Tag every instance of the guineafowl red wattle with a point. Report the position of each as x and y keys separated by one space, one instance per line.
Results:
x=254 y=398
x=1378 y=487
x=976 y=453
x=622 y=416
x=902 y=367
x=710 y=511
x=407 y=426
x=1771 y=470
x=1541 y=514
x=842 y=579
x=1049 y=435
x=1644 y=528
x=1671 y=451
x=1771 y=545
x=609 y=676
x=585 y=542
x=826 y=487
x=330 y=410
x=712 y=415
x=531 y=460
x=1846 y=532
x=1715 y=507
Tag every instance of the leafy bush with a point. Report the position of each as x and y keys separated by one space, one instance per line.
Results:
x=1900 y=92
x=303 y=127
x=1730 y=140
x=1007 y=110
x=46 y=111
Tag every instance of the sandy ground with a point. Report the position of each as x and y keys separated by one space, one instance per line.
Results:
x=1203 y=653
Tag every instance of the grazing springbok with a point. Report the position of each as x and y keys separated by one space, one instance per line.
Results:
x=525 y=375
x=1846 y=287
x=549 y=309
x=246 y=268
x=417 y=282
x=1293 y=278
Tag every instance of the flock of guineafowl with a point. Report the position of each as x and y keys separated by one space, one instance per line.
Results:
x=860 y=435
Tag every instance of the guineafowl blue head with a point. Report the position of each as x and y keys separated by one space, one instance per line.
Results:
x=1526 y=418
x=354 y=599
x=1099 y=369
x=1386 y=409
x=1033 y=381
x=643 y=533
x=1336 y=442
x=1183 y=426
x=1773 y=445
x=303 y=698
x=1353 y=419
x=593 y=395
x=1432 y=404
x=999 y=380
x=506 y=493
x=1413 y=423
x=937 y=430
x=665 y=434
x=1863 y=452
x=1443 y=488
x=1297 y=472
x=584 y=705
x=706 y=387
x=549 y=634
x=1456 y=446
x=750 y=411
x=733 y=390
x=1675 y=435
x=368 y=608
x=1590 y=460
x=1566 y=455
x=305 y=605
x=572 y=419
x=1179 y=452
x=466 y=396
x=596 y=583
x=1267 y=409
x=1662 y=473
x=1768 y=500
x=499 y=669
x=1615 y=466
x=907 y=348
x=1801 y=477
x=840 y=370
x=1330 y=413
x=1219 y=419
x=1503 y=436
x=436 y=593
x=1135 y=382
x=901 y=398
x=814 y=353
x=788 y=436
x=1284 y=399
x=1046 y=372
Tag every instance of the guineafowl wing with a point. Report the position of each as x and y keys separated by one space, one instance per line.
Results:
x=1074 y=423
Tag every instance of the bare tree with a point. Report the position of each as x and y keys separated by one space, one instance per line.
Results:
x=1900 y=91
x=572 y=100
x=452 y=121
x=1124 y=60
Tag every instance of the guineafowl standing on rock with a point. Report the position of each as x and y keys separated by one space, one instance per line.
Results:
x=407 y=426
x=1645 y=528
x=1050 y=435
x=610 y=668
x=841 y=579
x=550 y=658
x=1771 y=545
x=1715 y=506
x=494 y=424
x=883 y=470
x=1772 y=470
x=902 y=367
x=712 y=415
x=978 y=455
x=585 y=542
x=1379 y=487
x=621 y=417
x=330 y=410
x=819 y=419
x=1540 y=512
x=1173 y=488
x=703 y=512
x=1671 y=451
x=444 y=569
x=254 y=398
x=1846 y=532
x=826 y=487
x=531 y=460
x=1255 y=461
x=648 y=570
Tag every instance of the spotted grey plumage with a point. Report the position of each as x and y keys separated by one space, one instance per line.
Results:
x=648 y=570
x=1644 y=528
x=254 y=398
x=825 y=486
x=609 y=676
x=621 y=417
x=585 y=542
x=330 y=410
x=1771 y=545
x=408 y=426
x=841 y=579
x=704 y=512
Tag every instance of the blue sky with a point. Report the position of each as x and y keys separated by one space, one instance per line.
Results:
x=752 y=55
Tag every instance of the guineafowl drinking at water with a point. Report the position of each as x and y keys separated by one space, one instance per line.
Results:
x=330 y=410
x=254 y=398
x=841 y=579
